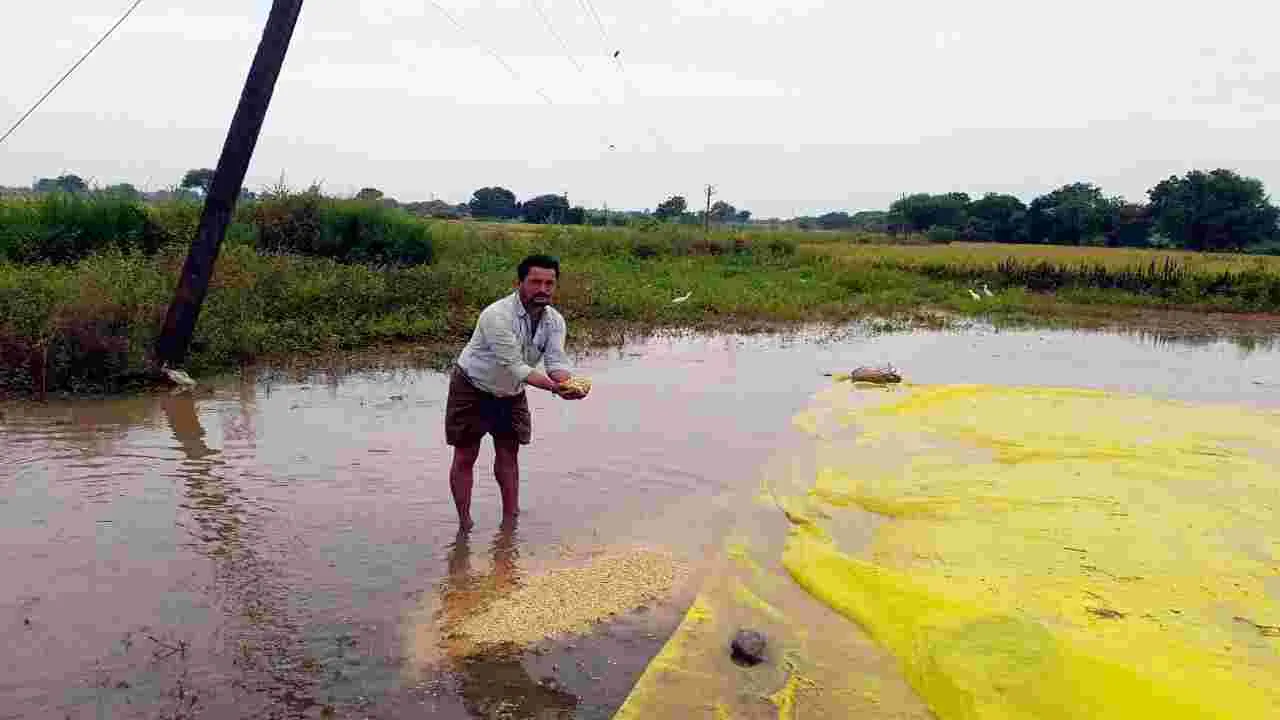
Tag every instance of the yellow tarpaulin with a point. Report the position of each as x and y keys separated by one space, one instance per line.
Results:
x=994 y=552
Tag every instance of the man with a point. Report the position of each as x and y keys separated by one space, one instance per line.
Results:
x=487 y=383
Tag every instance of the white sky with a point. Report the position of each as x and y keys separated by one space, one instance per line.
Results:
x=788 y=108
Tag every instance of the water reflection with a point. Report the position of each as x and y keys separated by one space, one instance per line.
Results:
x=492 y=683
x=261 y=633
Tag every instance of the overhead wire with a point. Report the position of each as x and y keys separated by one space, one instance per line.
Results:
x=493 y=53
x=111 y=30
x=573 y=60
x=615 y=54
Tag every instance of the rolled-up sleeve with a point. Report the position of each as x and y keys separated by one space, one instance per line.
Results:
x=555 y=358
x=502 y=340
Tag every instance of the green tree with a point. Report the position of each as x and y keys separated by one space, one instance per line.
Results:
x=201 y=178
x=672 y=207
x=124 y=191
x=997 y=218
x=922 y=211
x=1073 y=214
x=546 y=209
x=834 y=221
x=870 y=220
x=435 y=209
x=1218 y=210
x=1131 y=226
x=494 y=202
x=723 y=212
x=369 y=194
x=62 y=183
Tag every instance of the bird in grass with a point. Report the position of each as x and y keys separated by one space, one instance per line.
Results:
x=987 y=291
x=682 y=298
x=974 y=295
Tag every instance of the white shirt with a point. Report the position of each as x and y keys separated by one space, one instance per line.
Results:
x=505 y=348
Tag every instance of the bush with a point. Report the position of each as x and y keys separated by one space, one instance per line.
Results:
x=372 y=233
x=344 y=230
x=63 y=228
x=178 y=218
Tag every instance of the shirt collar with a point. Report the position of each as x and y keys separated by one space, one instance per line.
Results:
x=521 y=312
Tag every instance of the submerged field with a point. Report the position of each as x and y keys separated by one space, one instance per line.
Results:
x=84 y=324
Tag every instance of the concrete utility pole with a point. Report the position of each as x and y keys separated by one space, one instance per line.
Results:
x=228 y=179
x=706 y=219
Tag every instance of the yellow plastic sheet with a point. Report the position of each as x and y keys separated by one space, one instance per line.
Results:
x=1018 y=552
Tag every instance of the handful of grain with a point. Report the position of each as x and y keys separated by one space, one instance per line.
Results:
x=576 y=388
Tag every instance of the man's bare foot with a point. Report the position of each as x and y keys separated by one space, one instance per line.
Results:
x=465 y=524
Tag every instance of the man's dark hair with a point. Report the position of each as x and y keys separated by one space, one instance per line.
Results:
x=542 y=261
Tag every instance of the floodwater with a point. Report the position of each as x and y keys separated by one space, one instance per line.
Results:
x=279 y=546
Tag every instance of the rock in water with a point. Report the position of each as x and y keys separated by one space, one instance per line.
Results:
x=880 y=376
x=748 y=647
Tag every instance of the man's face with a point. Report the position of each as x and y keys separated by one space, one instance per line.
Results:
x=538 y=287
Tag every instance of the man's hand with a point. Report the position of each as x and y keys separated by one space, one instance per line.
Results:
x=539 y=379
x=560 y=377
x=575 y=388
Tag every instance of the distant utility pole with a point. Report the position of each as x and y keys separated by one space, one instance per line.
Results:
x=228 y=179
x=706 y=219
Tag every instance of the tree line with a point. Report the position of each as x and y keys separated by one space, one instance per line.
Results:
x=1216 y=210
x=1219 y=210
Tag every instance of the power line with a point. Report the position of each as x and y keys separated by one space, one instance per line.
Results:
x=628 y=88
x=551 y=28
x=591 y=10
x=568 y=53
x=501 y=60
x=72 y=69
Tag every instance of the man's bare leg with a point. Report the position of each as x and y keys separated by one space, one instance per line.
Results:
x=461 y=480
x=506 y=468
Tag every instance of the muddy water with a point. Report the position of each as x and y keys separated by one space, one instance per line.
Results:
x=278 y=546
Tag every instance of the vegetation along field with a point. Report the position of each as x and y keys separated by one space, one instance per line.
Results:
x=85 y=279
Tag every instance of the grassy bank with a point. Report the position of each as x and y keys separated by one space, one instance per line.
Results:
x=84 y=325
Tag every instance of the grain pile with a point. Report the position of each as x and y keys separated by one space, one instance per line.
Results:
x=572 y=600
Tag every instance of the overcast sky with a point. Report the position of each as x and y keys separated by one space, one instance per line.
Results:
x=788 y=108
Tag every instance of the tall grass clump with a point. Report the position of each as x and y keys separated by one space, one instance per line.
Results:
x=91 y=325
x=64 y=227
x=349 y=231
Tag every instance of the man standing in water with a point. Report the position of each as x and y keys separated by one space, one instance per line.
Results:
x=487 y=383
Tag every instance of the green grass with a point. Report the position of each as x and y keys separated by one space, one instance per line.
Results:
x=90 y=322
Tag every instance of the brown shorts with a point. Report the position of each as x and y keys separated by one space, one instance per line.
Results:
x=471 y=413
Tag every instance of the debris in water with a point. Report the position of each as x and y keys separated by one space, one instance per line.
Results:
x=748 y=647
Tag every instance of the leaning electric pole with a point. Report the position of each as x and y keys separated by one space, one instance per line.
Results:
x=706 y=218
x=228 y=179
